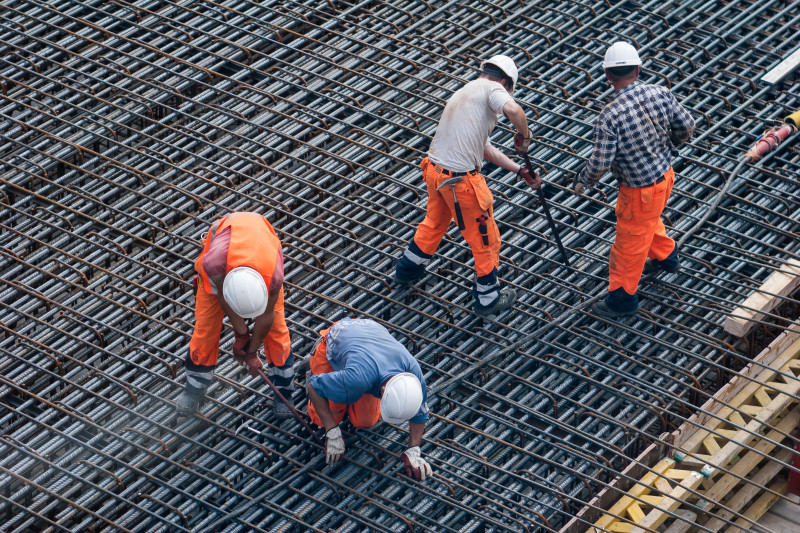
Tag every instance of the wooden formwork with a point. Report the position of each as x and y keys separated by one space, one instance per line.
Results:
x=719 y=460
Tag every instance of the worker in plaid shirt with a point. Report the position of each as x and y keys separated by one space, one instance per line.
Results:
x=634 y=137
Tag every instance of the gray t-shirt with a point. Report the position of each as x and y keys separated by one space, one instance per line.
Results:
x=467 y=120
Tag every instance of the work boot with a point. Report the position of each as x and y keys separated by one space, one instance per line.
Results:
x=617 y=303
x=672 y=263
x=411 y=266
x=280 y=409
x=188 y=403
x=283 y=379
x=504 y=301
x=191 y=398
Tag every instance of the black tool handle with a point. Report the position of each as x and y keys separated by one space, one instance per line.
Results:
x=546 y=208
x=459 y=216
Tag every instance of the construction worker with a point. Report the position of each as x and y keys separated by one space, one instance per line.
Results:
x=457 y=190
x=634 y=137
x=240 y=275
x=360 y=370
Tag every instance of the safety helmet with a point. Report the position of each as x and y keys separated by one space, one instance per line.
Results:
x=245 y=291
x=506 y=65
x=621 y=54
x=401 y=398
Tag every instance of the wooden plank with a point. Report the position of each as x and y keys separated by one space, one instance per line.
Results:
x=712 y=406
x=710 y=443
x=767 y=296
x=682 y=526
x=635 y=512
x=759 y=507
x=675 y=499
x=616 y=489
x=749 y=490
x=692 y=441
x=643 y=487
x=753 y=457
x=764 y=417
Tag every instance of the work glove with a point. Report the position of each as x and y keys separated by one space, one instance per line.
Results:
x=334 y=446
x=534 y=181
x=522 y=142
x=251 y=360
x=578 y=187
x=240 y=342
x=416 y=467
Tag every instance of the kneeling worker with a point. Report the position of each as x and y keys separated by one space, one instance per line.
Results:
x=240 y=275
x=360 y=370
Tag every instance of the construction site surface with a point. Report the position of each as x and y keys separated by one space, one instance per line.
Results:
x=128 y=127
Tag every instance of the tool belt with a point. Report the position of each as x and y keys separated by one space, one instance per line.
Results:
x=452 y=174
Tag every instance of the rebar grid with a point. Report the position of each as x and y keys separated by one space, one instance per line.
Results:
x=128 y=127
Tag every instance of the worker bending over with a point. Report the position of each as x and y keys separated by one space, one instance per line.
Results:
x=634 y=136
x=240 y=276
x=456 y=188
x=360 y=370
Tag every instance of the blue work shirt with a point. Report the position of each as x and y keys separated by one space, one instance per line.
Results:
x=364 y=356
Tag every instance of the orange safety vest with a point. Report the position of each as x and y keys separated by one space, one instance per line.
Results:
x=253 y=244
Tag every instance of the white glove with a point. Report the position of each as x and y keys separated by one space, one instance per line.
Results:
x=579 y=188
x=334 y=446
x=415 y=465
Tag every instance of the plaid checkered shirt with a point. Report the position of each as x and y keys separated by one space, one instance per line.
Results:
x=634 y=136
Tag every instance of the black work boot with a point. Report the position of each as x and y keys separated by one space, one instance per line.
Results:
x=672 y=263
x=616 y=304
x=191 y=398
x=283 y=379
x=504 y=301
x=411 y=266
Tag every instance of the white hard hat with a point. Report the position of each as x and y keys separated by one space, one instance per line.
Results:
x=505 y=64
x=621 y=54
x=401 y=399
x=245 y=291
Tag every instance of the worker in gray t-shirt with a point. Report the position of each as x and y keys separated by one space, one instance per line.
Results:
x=456 y=188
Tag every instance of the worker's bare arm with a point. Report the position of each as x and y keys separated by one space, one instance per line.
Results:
x=516 y=115
x=493 y=155
x=415 y=432
x=322 y=407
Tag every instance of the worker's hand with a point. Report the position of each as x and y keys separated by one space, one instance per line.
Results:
x=240 y=342
x=534 y=181
x=522 y=142
x=251 y=360
x=334 y=446
x=578 y=188
x=416 y=467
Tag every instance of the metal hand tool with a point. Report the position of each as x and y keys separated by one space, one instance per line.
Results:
x=546 y=208
x=452 y=182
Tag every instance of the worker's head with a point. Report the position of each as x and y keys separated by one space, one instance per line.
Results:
x=401 y=398
x=621 y=62
x=502 y=69
x=245 y=292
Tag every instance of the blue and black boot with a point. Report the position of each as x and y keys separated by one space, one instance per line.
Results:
x=616 y=304
x=411 y=266
x=672 y=263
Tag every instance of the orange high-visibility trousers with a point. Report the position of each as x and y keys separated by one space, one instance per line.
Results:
x=640 y=233
x=475 y=199
x=365 y=413
x=204 y=346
